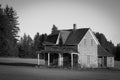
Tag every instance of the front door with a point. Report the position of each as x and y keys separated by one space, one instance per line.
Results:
x=75 y=60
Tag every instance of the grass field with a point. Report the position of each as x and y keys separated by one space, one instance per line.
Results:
x=10 y=72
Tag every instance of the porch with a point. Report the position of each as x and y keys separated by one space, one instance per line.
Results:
x=60 y=58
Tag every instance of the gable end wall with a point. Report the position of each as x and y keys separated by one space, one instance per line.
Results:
x=88 y=52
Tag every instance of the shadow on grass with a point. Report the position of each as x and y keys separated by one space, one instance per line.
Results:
x=18 y=64
x=42 y=66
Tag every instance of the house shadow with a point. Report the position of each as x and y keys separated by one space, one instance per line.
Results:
x=18 y=64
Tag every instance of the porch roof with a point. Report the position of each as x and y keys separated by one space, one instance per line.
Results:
x=103 y=52
x=57 y=51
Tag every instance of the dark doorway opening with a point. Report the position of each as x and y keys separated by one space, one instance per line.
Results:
x=54 y=59
x=67 y=60
x=75 y=61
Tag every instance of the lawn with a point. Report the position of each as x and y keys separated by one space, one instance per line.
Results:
x=9 y=72
x=20 y=60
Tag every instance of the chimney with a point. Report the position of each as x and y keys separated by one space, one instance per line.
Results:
x=74 y=26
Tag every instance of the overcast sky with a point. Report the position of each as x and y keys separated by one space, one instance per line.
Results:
x=39 y=15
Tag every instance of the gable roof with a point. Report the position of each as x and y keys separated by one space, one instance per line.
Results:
x=52 y=39
x=64 y=35
x=69 y=36
x=76 y=36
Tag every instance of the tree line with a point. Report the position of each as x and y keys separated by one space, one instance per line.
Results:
x=26 y=47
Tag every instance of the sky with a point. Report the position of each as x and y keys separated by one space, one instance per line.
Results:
x=39 y=16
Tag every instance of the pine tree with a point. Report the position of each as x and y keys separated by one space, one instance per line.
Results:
x=108 y=45
x=8 y=31
x=54 y=30
x=25 y=46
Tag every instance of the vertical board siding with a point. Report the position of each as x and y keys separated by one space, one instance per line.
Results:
x=88 y=50
x=110 y=61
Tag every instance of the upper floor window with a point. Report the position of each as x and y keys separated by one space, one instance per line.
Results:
x=85 y=42
x=91 y=42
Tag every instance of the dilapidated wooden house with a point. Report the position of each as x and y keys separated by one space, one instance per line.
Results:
x=76 y=48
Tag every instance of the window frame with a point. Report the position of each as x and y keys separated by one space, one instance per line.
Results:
x=92 y=43
x=85 y=42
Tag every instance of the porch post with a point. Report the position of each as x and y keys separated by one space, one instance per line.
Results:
x=103 y=62
x=48 y=59
x=60 y=60
x=38 y=61
x=71 y=60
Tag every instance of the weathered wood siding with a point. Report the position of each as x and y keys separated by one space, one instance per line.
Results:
x=87 y=49
x=110 y=61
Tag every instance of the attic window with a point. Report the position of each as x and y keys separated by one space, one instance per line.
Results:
x=85 y=42
x=91 y=42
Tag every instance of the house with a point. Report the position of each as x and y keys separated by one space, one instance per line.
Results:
x=76 y=48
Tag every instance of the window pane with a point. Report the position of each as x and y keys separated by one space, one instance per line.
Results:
x=91 y=42
x=85 y=42
x=88 y=59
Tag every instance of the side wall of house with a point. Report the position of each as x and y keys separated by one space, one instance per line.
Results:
x=87 y=49
x=110 y=61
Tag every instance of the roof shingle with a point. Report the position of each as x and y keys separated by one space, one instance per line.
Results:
x=52 y=38
x=76 y=36
x=103 y=52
